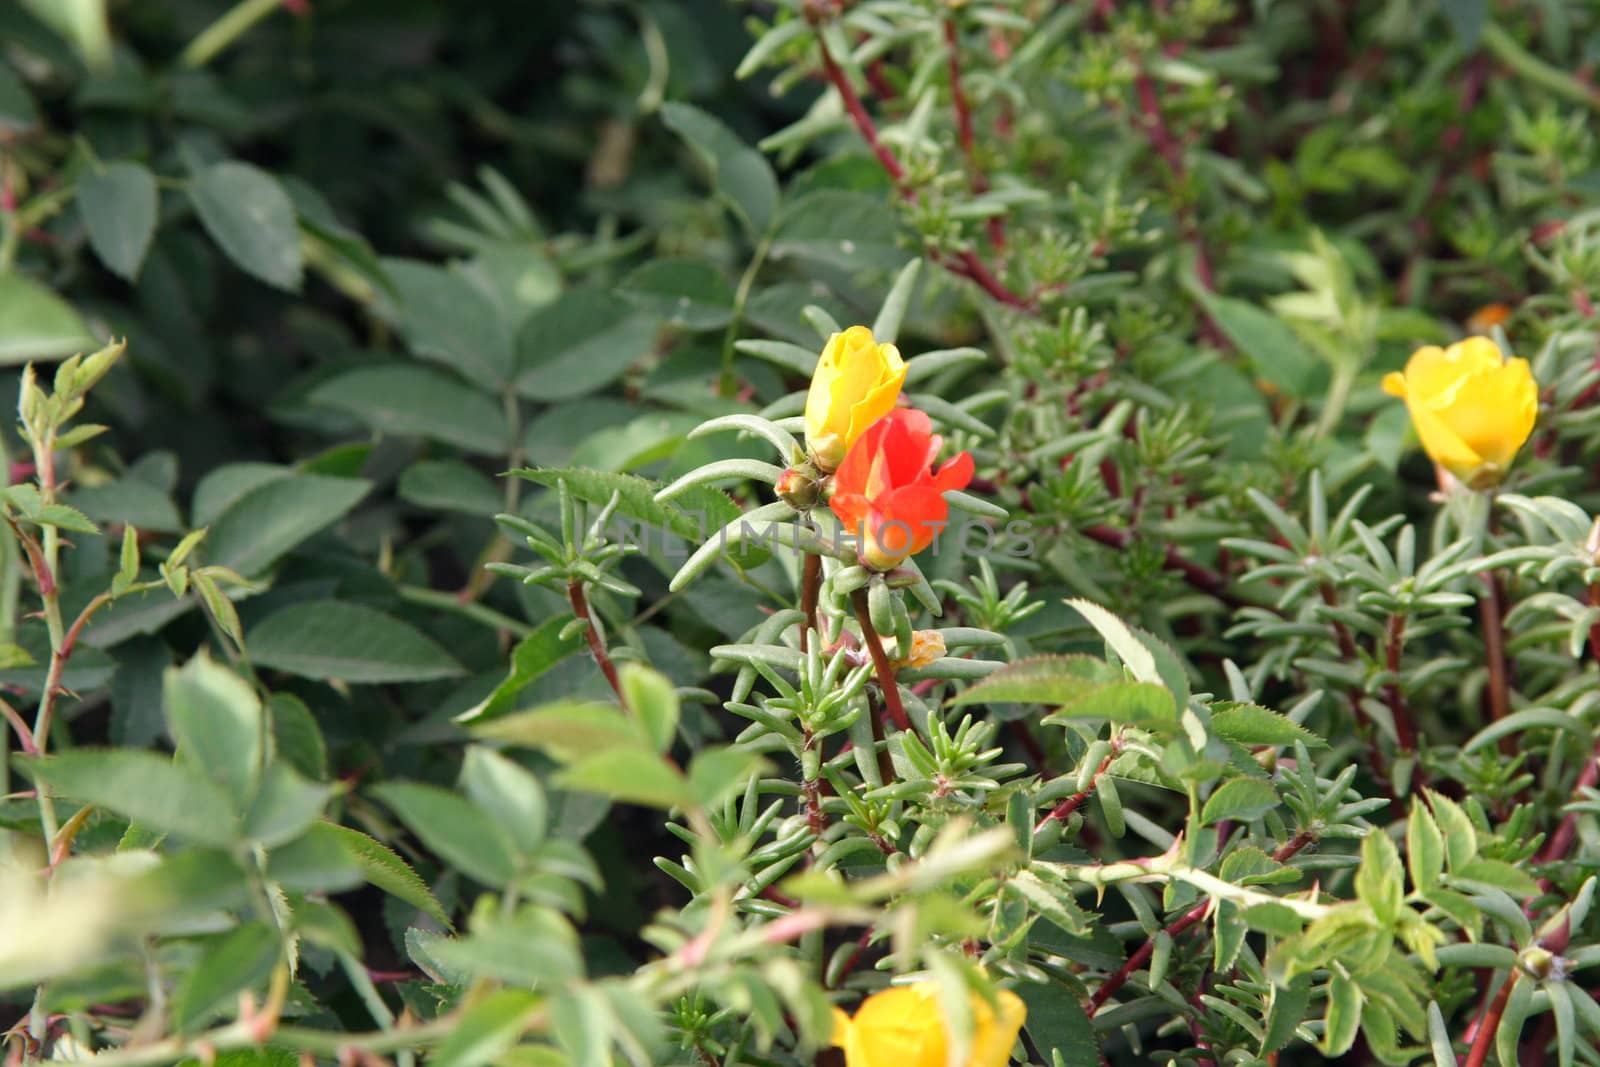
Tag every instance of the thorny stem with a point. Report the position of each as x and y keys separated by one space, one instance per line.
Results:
x=1483 y=1040
x=597 y=647
x=880 y=662
x=1109 y=987
x=810 y=589
x=1062 y=811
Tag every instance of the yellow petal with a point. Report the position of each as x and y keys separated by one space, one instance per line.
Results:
x=1442 y=444
x=1394 y=383
x=880 y=398
x=996 y=1033
x=820 y=398
x=901 y=1026
x=1493 y=412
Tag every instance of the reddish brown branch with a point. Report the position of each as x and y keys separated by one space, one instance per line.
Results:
x=810 y=588
x=880 y=662
x=1197 y=575
x=1403 y=728
x=597 y=647
x=1062 y=811
x=864 y=124
x=1483 y=1039
x=1494 y=649
x=964 y=131
x=966 y=263
x=1560 y=842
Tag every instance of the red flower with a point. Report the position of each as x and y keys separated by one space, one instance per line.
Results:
x=885 y=492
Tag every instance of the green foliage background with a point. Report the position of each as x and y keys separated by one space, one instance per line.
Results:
x=1250 y=745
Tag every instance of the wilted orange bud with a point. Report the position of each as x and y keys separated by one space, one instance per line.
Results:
x=856 y=383
x=904 y=1026
x=1488 y=317
x=926 y=646
x=1472 y=407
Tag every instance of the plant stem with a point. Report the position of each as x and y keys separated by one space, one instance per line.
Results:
x=810 y=589
x=726 y=383
x=1403 y=727
x=227 y=29
x=880 y=662
x=1494 y=648
x=1594 y=630
x=597 y=647
x=1201 y=577
x=1567 y=831
x=965 y=264
x=863 y=121
x=1063 y=810
x=1116 y=981
x=1483 y=1040
x=964 y=131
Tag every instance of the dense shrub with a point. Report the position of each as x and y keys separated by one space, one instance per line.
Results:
x=800 y=531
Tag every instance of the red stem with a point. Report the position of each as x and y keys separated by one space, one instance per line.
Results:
x=1494 y=648
x=1484 y=1038
x=1397 y=703
x=1201 y=577
x=964 y=131
x=880 y=662
x=597 y=647
x=863 y=121
x=810 y=588
x=1063 y=810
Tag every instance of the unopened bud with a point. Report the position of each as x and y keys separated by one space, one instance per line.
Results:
x=800 y=487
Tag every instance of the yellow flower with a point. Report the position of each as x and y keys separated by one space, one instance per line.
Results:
x=855 y=384
x=1472 y=407
x=904 y=1026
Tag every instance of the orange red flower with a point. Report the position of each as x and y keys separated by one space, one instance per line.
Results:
x=886 y=492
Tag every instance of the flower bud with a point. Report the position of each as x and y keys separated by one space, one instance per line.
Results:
x=856 y=383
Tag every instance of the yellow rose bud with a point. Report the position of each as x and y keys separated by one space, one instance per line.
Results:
x=1472 y=407
x=855 y=384
x=904 y=1026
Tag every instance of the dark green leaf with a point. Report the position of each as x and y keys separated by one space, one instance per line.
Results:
x=274 y=517
x=141 y=786
x=252 y=219
x=449 y=825
x=119 y=206
x=405 y=400
x=580 y=342
x=685 y=292
x=331 y=639
x=231 y=964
